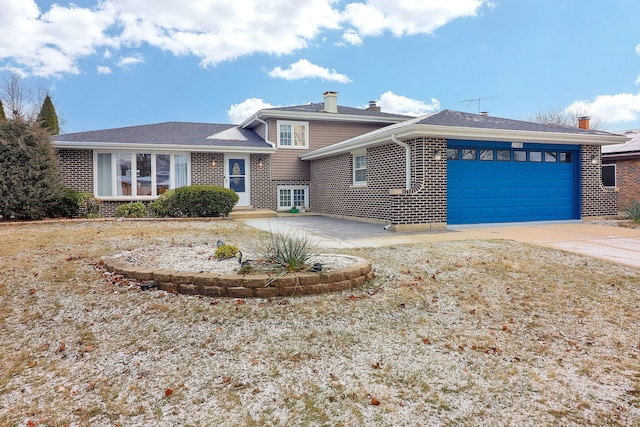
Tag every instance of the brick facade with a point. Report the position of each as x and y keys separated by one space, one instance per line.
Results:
x=332 y=190
x=627 y=181
x=384 y=199
x=597 y=201
x=76 y=167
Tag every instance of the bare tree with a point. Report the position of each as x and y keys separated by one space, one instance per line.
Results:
x=19 y=100
x=562 y=117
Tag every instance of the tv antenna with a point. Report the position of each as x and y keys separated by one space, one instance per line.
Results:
x=478 y=100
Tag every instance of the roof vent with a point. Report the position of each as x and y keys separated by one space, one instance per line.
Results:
x=484 y=113
x=330 y=102
x=373 y=106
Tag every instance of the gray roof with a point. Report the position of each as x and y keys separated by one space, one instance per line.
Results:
x=172 y=133
x=318 y=107
x=630 y=147
x=461 y=119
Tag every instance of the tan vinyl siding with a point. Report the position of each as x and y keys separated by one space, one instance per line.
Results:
x=285 y=163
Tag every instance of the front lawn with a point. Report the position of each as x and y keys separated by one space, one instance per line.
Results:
x=454 y=333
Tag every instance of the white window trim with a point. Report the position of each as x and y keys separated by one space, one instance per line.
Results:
x=615 y=174
x=114 y=196
x=354 y=155
x=293 y=123
x=291 y=188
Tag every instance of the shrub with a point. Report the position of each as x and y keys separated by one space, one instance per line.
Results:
x=160 y=206
x=132 y=210
x=68 y=205
x=195 y=201
x=90 y=207
x=30 y=183
x=633 y=211
x=289 y=251
x=226 y=251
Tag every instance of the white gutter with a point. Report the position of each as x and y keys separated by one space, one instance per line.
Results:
x=407 y=152
x=465 y=133
x=161 y=147
x=266 y=130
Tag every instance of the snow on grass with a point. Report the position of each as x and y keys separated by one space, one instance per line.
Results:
x=470 y=333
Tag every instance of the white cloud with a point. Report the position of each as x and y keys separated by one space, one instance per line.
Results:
x=352 y=37
x=126 y=61
x=103 y=70
x=405 y=17
x=398 y=104
x=638 y=49
x=623 y=107
x=51 y=42
x=305 y=69
x=237 y=113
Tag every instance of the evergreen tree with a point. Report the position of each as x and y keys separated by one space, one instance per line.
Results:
x=30 y=183
x=48 y=118
x=3 y=117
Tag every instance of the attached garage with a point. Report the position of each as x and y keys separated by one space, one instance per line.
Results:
x=452 y=167
x=494 y=182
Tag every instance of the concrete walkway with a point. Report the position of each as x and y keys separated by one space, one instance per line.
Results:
x=616 y=244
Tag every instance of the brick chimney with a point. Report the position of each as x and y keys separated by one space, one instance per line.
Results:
x=330 y=102
x=583 y=122
x=373 y=106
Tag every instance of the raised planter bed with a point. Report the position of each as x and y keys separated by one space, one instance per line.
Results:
x=248 y=285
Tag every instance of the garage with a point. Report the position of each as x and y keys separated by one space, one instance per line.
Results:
x=496 y=182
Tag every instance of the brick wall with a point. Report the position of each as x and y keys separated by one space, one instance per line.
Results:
x=628 y=182
x=426 y=201
x=332 y=191
x=77 y=169
x=207 y=169
x=596 y=199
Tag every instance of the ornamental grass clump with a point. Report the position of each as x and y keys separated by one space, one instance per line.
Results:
x=290 y=251
x=633 y=211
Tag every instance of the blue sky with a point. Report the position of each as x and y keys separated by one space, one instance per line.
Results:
x=113 y=63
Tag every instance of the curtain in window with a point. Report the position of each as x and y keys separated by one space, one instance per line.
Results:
x=182 y=177
x=105 y=187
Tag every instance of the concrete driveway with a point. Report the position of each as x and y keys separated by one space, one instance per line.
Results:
x=620 y=245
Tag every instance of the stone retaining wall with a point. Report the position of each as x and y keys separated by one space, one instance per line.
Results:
x=249 y=285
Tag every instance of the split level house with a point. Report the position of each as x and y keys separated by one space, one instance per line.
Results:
x=412 y=173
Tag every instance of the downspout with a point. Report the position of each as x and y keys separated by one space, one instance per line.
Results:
x=407 y=149
x=266 y=130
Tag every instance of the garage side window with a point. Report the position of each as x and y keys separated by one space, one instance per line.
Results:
x=609 y=175
x=359 y=168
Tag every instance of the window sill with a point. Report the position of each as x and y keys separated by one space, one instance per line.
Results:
x=359 y=185
x=126 y=198
x=288 y=147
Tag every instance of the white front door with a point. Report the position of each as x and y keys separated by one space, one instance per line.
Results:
x=236 y=176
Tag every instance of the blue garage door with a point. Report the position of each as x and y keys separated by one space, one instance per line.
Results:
x=493 y=182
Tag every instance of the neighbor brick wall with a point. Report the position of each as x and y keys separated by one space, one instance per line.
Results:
x=628 y=182
x=77 y=169
x=332 y=191
x=596 y=199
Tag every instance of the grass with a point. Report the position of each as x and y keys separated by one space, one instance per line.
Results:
x=453 y=333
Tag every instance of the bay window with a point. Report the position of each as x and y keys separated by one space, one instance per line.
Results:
x=135 y=175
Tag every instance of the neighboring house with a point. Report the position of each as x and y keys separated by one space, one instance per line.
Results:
x=412 y=173
x=621 y=168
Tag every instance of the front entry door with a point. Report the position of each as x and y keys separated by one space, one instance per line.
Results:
x=236 y=177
